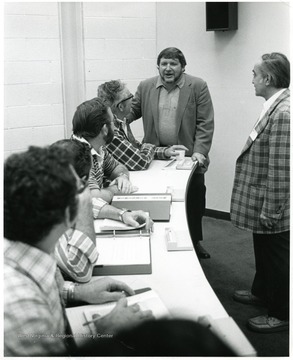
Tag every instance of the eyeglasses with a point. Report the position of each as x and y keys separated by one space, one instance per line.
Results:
x=128 y=98
x=82 y=186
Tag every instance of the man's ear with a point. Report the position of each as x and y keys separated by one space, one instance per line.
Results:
x=121 y=107
x=105 y=129
x=183 y=69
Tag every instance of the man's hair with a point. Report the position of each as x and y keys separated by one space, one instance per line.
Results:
x=38 y=187
x=172 y=53
x=89 y=118
x=174 y=337
x=80 y=154
x=163 y=337
x=109 y=92
x=278 y=67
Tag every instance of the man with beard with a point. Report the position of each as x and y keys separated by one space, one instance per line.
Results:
x=176 y=108
x=93 y=123
x=76 y=252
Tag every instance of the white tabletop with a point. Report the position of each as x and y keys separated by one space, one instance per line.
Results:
x=177 y=276
x=158 y=177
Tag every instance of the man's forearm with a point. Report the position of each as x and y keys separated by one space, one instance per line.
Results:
x=106 y=193
x=109 y=212
x=118 y=171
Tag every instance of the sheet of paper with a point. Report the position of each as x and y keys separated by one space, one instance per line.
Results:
x=148 y=300
x=108 y=224
x=124 y=250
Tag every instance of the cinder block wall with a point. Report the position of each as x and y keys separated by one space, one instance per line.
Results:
x=119 y=43
x=33 y=79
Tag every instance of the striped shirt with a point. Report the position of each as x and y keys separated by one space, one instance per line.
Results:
x=75 y=252
x=33 y=313
x=134 y=158
x=103 y=165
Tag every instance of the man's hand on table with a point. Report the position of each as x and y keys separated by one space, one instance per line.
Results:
x=137 y=217
x=122 y=317
x=100 y=291
x=173 y=150
x=124 y=185
x=202 y=160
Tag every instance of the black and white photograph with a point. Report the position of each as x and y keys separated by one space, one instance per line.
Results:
x=146 y=179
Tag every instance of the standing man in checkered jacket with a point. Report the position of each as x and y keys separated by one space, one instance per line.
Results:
x=261 y=195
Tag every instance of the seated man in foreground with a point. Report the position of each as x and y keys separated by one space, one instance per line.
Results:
x=41 y=199
x=93 y=124
x=124 y=147
x=76 y=251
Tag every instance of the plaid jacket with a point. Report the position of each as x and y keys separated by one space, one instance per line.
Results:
x=262 y=176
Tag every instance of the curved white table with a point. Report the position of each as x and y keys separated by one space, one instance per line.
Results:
x=177 y=276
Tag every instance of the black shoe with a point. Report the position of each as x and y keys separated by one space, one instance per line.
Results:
x=201 y=252
x=246 y=297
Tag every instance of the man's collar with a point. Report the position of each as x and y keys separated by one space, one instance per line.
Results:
x=179 y=83
x=272 y=99
x=40 y=265
x=118 y=122
x=82 y=139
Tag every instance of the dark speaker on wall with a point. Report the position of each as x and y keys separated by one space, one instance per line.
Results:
x=221 y=16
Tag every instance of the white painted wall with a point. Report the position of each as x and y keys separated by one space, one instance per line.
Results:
x=225 y=60
x=119 y=43
x=32 y=79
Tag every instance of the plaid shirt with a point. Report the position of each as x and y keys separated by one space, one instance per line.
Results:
x=134 y=158
x=33 y=313
x=75 y=252
x=262 y=177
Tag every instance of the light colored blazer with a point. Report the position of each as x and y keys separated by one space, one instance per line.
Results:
x=195 y=114
x=262 y=176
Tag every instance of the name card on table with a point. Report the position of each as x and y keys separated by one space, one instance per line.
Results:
x=157 y=205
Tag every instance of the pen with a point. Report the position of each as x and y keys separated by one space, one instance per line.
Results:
x=89 y=322
x=171 y=162
x=137 y=291
x=97 y=316
x=142 y=290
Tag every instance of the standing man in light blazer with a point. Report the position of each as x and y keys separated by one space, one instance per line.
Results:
x=261 y=195
x=176 y=108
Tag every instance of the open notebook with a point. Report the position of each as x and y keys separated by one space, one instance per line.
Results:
x=122 y=251
x=148 y=300
x=80 y=318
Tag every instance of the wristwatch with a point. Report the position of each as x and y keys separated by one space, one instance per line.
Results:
x=121 y=212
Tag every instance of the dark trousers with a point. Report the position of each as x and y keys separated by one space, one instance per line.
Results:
x=271 y=281
x=195 y=206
